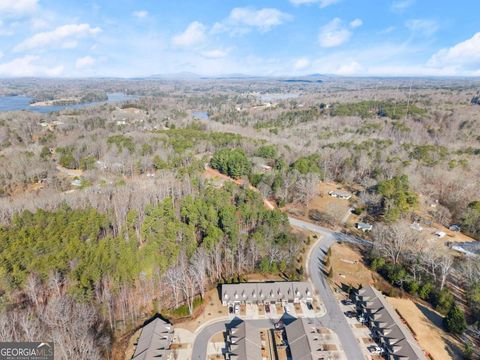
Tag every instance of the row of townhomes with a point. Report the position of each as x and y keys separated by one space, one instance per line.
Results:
x=281 y=292
x=386 y=325
x=303 y=341
x=155 y=341
x=244 y=342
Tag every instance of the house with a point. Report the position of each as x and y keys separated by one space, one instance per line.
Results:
x=455 y=228
x=280 y=292
x=364 y=226
x=340 y=194
x=260 y=165
x=467 y=248
x=304 y=340
x=155 y=341
x=76 y=182
x=386 y=326
x=243 y=342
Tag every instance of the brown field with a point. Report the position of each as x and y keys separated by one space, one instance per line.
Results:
x=430 y=336
x=324 y=203
x=348 y=267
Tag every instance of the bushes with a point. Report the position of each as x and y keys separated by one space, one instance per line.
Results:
x=455 y=322
x=267 y=152
x=307 y=164
x=397 y=275
x=232 y=162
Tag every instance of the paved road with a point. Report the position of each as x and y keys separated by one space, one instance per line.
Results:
x=199 y=350
x=337 y=236
x=333 y=319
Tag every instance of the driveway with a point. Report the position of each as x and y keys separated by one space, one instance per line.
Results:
x=199 y=351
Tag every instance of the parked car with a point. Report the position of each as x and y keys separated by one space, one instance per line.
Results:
x=287 y=310
x=455 y=228
x=230 y=309
x=361 y=319
x=350 y=314
x=267 y=308
x=347 y=302
x=237 y=309
x=309 y=306
x=375 y=349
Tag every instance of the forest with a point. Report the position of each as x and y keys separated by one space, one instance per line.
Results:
x=107 y=215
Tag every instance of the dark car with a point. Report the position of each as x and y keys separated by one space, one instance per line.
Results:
x=350 y=314
x=347 y=302
x=267 y=308
x=230 y=309
x=309 y=306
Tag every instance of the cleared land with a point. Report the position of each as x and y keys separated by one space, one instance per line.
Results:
x=428 y=334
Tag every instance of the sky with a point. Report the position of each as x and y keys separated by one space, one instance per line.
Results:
x=128 y=38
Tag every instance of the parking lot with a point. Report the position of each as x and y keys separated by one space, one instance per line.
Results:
x=273 y=311
x=362 y=332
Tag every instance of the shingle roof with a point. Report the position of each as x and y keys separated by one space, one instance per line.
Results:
x=401 y=342
x=244 y=342
x=303 y=340
x=154 y=341
x=268 y=291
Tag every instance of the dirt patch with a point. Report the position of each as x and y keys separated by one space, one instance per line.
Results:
x=429 y=335
x=218 y=337
x=347 y=266
x=130 y=348
x=212 y=309
x=337 y=209
x=330 y=347
x=69 y=172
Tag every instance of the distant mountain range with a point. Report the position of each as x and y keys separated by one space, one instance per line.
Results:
x=185 y=75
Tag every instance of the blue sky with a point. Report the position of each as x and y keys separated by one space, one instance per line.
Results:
x=72 y=38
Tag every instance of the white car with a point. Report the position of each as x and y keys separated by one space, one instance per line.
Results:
x=440 y=234
x=237 y=309
x=287 y=310
x=374 y=349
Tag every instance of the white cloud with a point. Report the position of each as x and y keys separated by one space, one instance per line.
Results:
x=26 y=66
x=242 y=19
x=422 y=26
x=301 y=64
x=84 y=62
x=401 y=5
x=194 y=34
x=322 y=3
x=214 y=54
x=333 y=34
x=17 y=7
x=351 y=68
x=63 y=36
x=465 y=54
x=356 y=23
x=140 y=14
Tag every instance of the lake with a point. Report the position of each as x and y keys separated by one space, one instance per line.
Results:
x=13 y=103
x=201 y=115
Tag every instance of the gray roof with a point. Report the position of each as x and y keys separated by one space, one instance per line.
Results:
x=400 y=341
x=268 y=291
x=244 y=342
x=304 y=340
x=154 y=341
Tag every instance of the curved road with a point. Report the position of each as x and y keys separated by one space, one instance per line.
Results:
x=333 y=319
